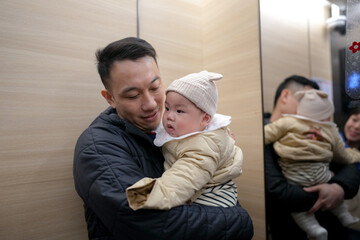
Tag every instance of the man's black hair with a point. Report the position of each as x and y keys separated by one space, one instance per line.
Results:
x=297 y=79
x=131 y=48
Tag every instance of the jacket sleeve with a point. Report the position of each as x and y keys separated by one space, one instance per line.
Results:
x=275 y=130
x=347 y=176
x=341 y=153
x=292 y=197
x=101 y=180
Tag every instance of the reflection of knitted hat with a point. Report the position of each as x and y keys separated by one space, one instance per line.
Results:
x=200 y=89
x=314 y=104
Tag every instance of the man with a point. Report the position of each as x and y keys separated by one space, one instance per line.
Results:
x=117 y=150
x=283 y=198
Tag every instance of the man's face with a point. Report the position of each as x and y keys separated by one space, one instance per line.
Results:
x=291 y=103
x=137 y=92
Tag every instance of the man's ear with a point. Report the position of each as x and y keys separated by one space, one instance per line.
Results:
x=108 y=97
x=206 y=120
x=285 y=93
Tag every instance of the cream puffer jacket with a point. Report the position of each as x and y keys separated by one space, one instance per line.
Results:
x=292 y=136
x=193 y=163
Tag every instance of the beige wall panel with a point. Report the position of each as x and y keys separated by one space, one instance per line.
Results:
x=231 y=47
x=320 y=51
x=284 y=44
x=49 y=93
x=294 y=40
x=174 y=29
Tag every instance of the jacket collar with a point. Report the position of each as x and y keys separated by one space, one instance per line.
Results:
x=111 y=115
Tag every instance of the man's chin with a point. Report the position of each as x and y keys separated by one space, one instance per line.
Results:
x=150 y=127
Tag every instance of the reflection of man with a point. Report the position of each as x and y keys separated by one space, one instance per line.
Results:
x=117 y=150
x=283 y=198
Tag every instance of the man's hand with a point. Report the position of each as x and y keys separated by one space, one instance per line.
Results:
x=330 y=196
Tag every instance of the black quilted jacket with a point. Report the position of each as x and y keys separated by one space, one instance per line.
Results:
x=111 y=155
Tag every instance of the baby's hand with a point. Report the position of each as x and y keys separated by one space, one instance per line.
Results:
x=231 y=134
x=313 y=133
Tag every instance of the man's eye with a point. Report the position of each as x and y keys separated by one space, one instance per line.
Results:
x=133 y=96
x=155 y=86
x=179 y=111
x=166 y=109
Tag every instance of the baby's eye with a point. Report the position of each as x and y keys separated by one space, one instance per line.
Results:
x=166 y=109
x=179 y=111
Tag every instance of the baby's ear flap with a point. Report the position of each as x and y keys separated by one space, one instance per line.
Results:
x=299 y=95
x=321 y=94
x=214 y=76
x=211 y=76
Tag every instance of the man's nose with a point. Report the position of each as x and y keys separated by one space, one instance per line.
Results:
x=149 y=102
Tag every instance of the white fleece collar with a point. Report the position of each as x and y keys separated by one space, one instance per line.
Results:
x=310 y=119
x=218 y=121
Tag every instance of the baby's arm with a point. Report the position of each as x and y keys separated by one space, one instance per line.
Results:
x=275 y=130
x=341 y=153
x=194 y=168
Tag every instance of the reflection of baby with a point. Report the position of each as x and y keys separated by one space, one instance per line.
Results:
x=306 y=143
x=201 y=159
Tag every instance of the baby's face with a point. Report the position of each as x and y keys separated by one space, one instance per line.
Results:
x=181 y=116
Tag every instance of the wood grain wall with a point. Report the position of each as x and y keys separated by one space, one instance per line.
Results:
x=231 y=47
x=174 y=29
x=50 y=92
x=319 y=35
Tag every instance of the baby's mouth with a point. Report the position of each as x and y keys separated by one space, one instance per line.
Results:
x=171 y=128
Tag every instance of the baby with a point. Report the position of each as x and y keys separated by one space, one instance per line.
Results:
x=201 y=159
x=306 y=143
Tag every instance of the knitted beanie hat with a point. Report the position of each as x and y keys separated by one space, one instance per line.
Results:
x=314 y=104
x=199 y=88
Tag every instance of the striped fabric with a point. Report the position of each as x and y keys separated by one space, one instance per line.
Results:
x=306 y=173
x=224 y=195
